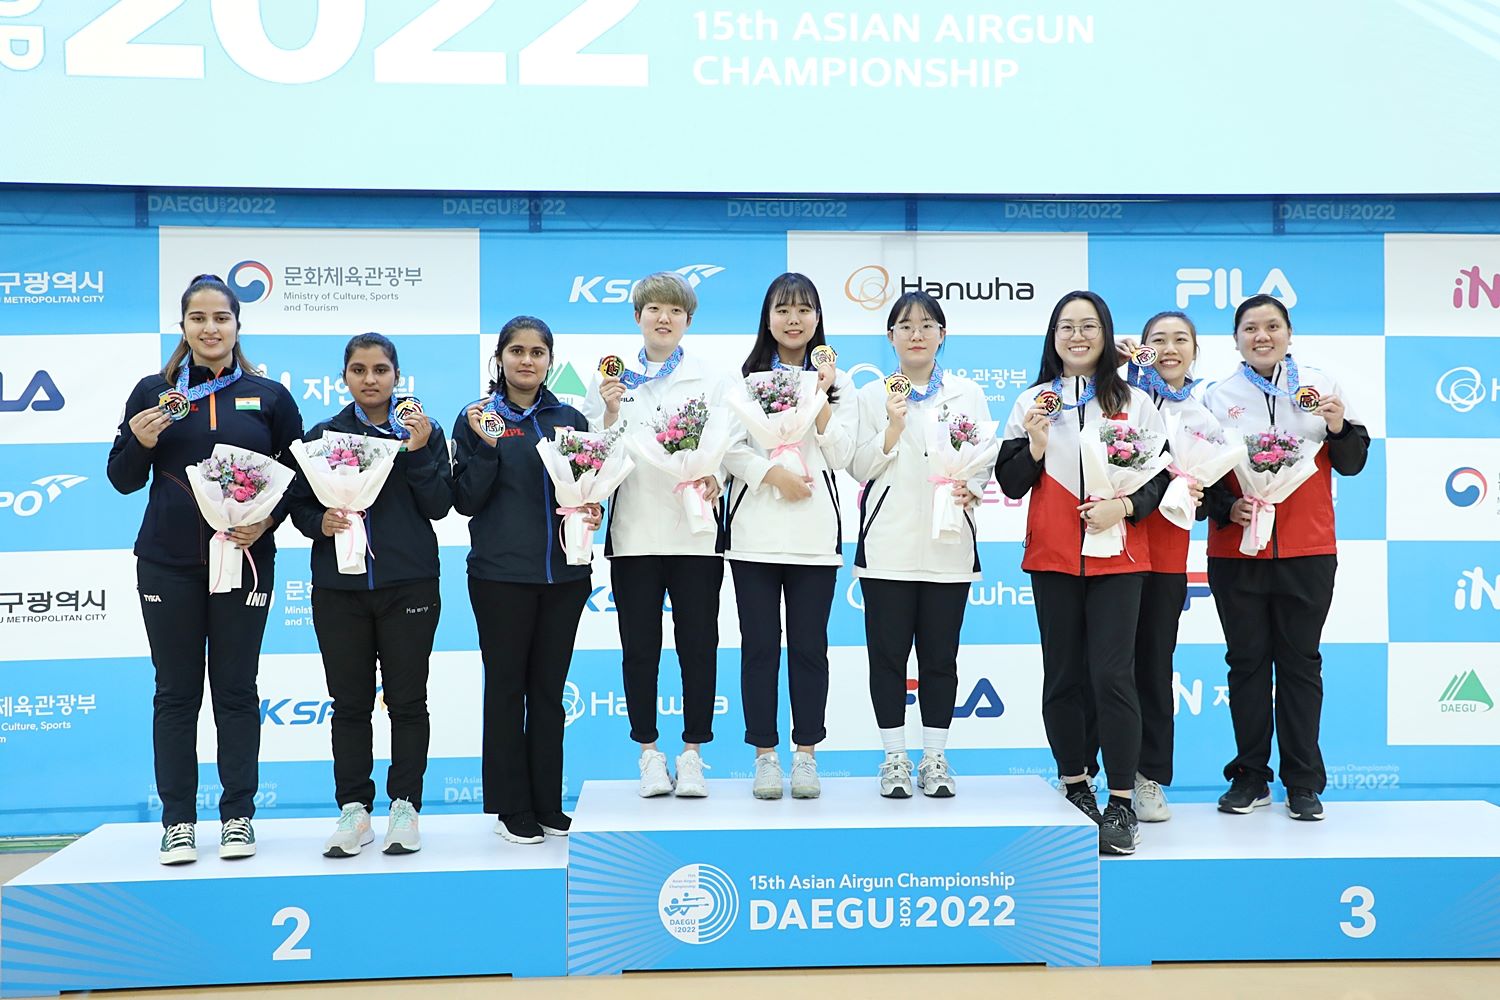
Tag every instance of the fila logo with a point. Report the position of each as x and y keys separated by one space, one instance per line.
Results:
x=41 y=394
x=151 y=598
x=1227 y=286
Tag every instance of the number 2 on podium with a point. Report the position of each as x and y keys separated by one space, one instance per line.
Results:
x=288 y=950
x=1363 y=909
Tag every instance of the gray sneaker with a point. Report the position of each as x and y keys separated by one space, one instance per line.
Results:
x=402 y=835
x=1150 y=801
x=767 y=776
x=895 y=777
x=805 y=783
x=237 y=838
x=934 y=775
x=352 y=833
x=179 y=844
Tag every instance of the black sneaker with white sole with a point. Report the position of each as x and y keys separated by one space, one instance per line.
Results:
x=1246 y=794
x=521 y=828
x=555 y=824
x=1303 y=803
x=1119 y=832
x=1081 y=794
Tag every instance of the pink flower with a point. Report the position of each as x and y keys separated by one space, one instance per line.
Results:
x=242 y=494
x=661 y=437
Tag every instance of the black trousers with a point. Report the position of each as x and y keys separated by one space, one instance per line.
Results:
x=182 y=618
x=1273 y=611
x=526 y=636
x=356 y=628
x=1162 y=597
x=898 y=613
x=758 y=590
x=640 y=585
x=1088 y=630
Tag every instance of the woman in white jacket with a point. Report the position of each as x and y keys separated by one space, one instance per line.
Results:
x=783 y=536
x=653 y=553
x=915 y=588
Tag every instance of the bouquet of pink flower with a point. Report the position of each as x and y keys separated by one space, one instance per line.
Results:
x=778 y=411
x=346 y=473
x=585 y=469
x=1200 y=454
x=960 y=449
x=1117 y=460
x=234 y=487
x=1275 y=465
x=688 y=444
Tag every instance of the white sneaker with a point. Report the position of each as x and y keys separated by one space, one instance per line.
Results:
x=690 y=768
x=767 y=776
x=895 y=777
x=805 y=784
x=179 y=844
x=1150 y=801
x=934 y=775
x=654 y=780
x=401 y=833
x=352 y=833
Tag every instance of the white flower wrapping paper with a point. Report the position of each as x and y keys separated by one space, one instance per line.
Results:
x=687 y=467
x=1102 y=481
x=593 y=487
x=225 y=559
x=781 y=434
x=948 y=466
x=1199 y=460
x=1267 y=489
x=346 y=488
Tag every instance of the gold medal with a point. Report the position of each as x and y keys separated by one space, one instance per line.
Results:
x=1307 y=397
x=611 y=366
x=898 y=383
x=492 y=424
x=174 y=404
x=1049 y=401
x=406 y=406
x=824 y=355
x=1144 y=357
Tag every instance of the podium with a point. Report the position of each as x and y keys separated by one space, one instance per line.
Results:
x=103 y=914
x=1005 y=872
x=1375 y=880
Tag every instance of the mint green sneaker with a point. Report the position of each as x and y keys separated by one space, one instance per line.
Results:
x=402 y=835
x=179 y=844
x=237 y=839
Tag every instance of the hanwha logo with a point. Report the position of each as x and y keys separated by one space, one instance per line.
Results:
x=869 y=287
x=251 y=280
x=1461 y=388
x=573 y=704
x=1466 y=487
x=698 y=904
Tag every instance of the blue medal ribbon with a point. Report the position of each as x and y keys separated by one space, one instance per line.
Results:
x=632 y=379
x=934 y=386
x=777 y=366
x=1084 y=398
x=202 y=389
x=499 y=404
x=1269 y=388
x=397 y=429
x=1148 y=379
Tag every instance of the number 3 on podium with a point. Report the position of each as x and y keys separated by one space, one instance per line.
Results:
x=1363 y=910
x=288 y=951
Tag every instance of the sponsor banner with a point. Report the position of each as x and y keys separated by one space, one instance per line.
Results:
x=736 y=215
x=331 y=281
x=1450 y=591
x=987 y=283
x=218 y=207
x=998 y=705
x=1329 y=284
x=295 y=709
x=1444 y=387
x=48 y=397
x=1094 y=215
x=58 y=497
x=1449 y=490
x=1442 y=285
x=70 y=605
x=1443 y=694
x=583 y=284
x=62 y=206
x=57 y=279
x=1359 y=502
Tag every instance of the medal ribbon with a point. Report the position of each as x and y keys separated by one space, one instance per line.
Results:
x=499 y=404
x=934 y=386
x=1149 y=379
x=1269 y=388
x=202 y=389
x=397 y=429
x=634 y=379
x=1084 y=398
x=777 y=366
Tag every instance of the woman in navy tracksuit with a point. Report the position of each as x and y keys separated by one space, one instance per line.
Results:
x=527 y=600
x=225 y=403
x=389 y=612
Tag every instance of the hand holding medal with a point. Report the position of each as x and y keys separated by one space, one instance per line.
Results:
x=408 y=412
x=612 y=389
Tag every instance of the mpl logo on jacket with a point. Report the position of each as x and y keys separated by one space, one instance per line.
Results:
x=698 y=904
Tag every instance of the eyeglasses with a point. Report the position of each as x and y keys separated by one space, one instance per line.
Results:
x=907 y=329
x=1089 y=329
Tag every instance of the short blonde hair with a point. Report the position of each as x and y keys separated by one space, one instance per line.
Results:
x=667 y=287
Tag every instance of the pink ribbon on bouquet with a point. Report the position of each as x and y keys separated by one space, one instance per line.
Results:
x=1257 y=506
x=1124 y=535
x=697 y=491
x=349 y=550
x=223 y=536
x=941 y=480
x=795 y=448
x=1178 y=473
x=561 y=528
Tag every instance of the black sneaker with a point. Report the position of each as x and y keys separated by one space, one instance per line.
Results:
x=520 y=828
x=1303 y=803
x=1081 y=794
x=1119 y=832
x=555 y=824
x=1245 y=795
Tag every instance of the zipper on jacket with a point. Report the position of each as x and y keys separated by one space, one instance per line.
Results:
x=1082 y=412
x=546 y=496
x=1271 y=412
x=369 y=554
x=213 y=411
x=202 y=542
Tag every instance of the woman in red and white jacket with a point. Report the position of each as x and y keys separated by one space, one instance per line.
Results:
x=1170 y=388
x=1272 y=605
x=915 y=589
x=1086 y=606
